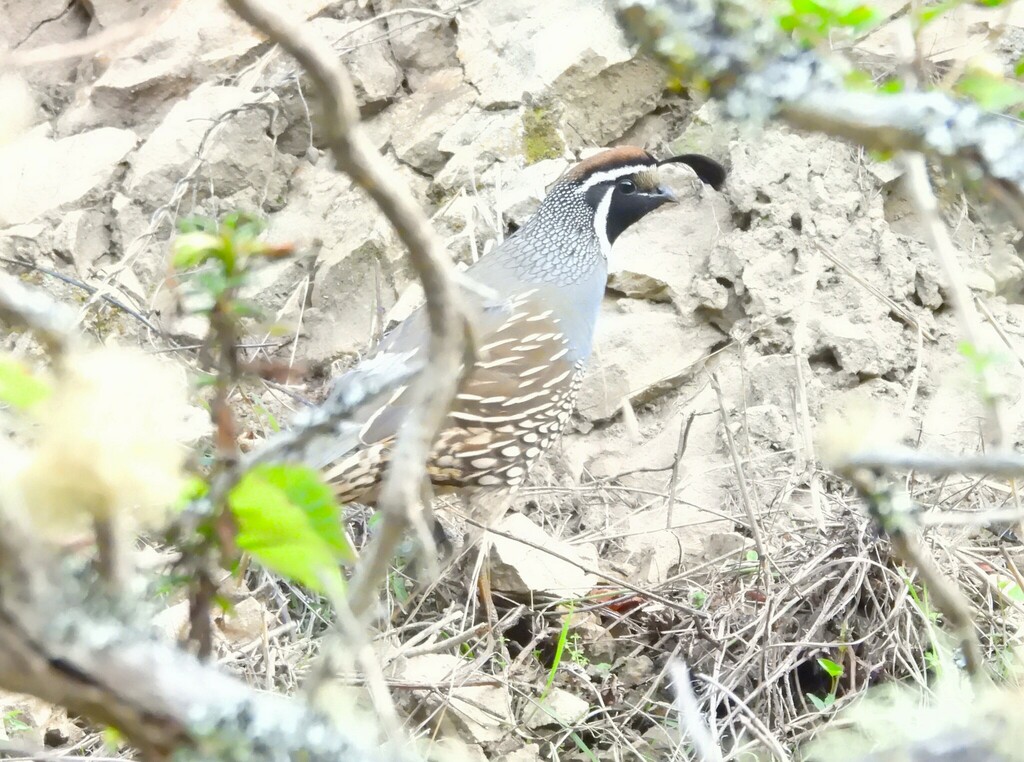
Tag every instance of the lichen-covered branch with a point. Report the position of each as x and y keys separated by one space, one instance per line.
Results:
x=55 y=646
x=758 y=73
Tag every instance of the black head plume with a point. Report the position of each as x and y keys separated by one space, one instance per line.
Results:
x=708 y=170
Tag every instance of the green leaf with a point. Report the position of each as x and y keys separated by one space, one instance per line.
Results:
x=931 y=13
x=193 y=488
x=990 y=91
x=833 y=669
x=194 y=248
x=808 y=7
x=891 y=86
x=1018 y=68
x=290 y=521
x=819 y=704
x=19 y=387
x=244 y=225
x=752 y=556
x=1011 y=589
x=858 y=16
x=563 y=636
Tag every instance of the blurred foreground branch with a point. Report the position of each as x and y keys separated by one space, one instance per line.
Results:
x=893 y=511
x=433 y=390
x=759 y=74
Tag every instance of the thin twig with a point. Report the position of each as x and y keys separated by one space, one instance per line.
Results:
x=919 y=190
x=673 y=482
x=741 y=479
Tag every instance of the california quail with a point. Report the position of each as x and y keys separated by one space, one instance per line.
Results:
x=534 y=334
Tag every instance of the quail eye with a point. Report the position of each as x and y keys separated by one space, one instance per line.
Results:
x=627 y=186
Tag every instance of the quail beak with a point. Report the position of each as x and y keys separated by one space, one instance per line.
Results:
x=666 y=193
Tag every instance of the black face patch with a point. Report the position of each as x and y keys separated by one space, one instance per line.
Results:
x=633 y=197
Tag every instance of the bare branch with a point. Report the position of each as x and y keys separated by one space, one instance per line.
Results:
x=760 y=74
x=433 y=390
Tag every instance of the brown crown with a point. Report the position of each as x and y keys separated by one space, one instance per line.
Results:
x=610 y=159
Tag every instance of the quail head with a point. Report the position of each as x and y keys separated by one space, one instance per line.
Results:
x=534 y=330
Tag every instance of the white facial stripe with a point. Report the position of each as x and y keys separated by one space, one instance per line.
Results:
x=601 y=223
x=613 y=174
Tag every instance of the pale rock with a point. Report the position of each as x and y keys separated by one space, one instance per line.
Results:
x=638 y=286
x=601 y=102
x=880 y=347
x=245 y=622
x=47 y=724
x=477 y=142
x=325 y=215
x=172 y=622
x=653 y=543
x=411 y=298
x=634 y=670
x=521 y=569
x=25 y=242
x=768 y=280
x=42 y=175
x=22 y=20
x=663 y=740
x=356 y=257
x=238 y=154
x=82 y=237
x=519 y=192
x=349 y=298
x=199 y=39
x=30 y=25
x=376 y=77
x=451 y=749
x=20 y=108
x=769 y=425
x=642 y=351
x=422 y=120
x=421 y=44
x=707 y=132
x=477 y=713
x=536 y=46
x=367 y=56
x=772 y=379
x=721 y=544
x=601 y=645
x=107 y=13
x=559 y=708
x=526 y=753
